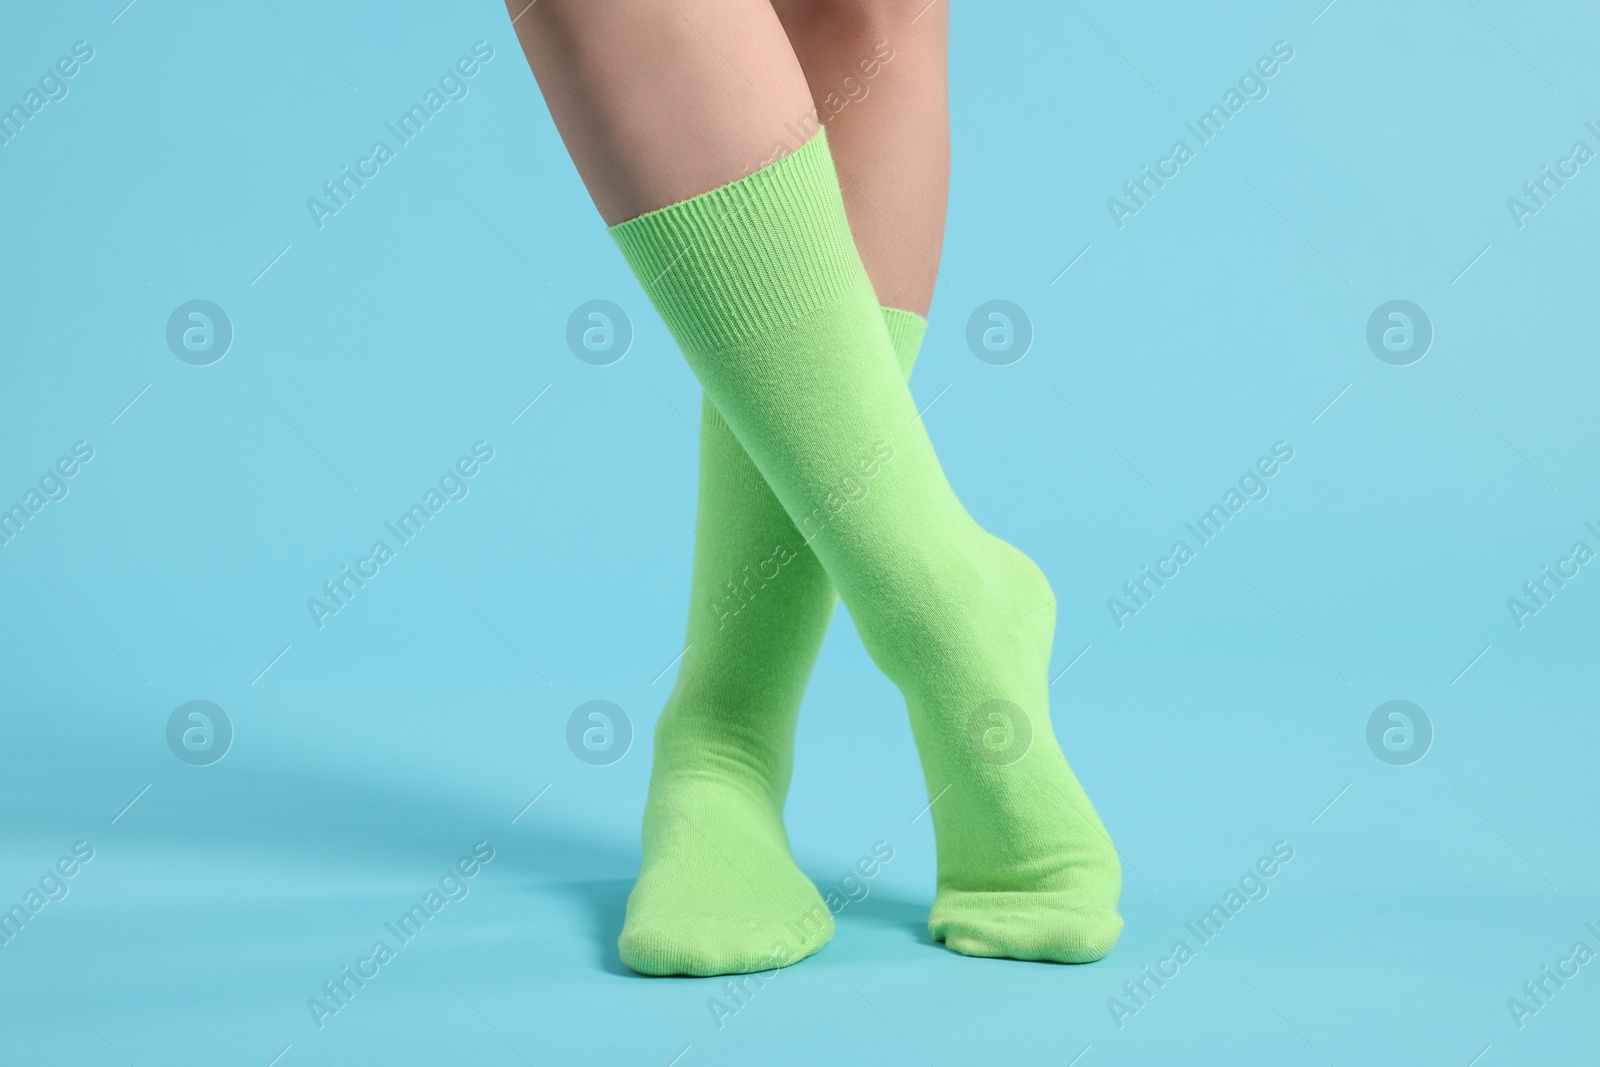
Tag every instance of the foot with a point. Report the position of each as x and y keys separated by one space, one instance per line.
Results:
x=718 y=891
x=1026 y=870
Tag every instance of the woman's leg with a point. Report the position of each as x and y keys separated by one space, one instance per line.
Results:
x=724 y=742
x=718 y=891
x=660 y=100
x=878 y=78
x=761 y=283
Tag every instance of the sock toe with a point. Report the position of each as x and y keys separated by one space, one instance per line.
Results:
x=1045 y=927
x=704 y=947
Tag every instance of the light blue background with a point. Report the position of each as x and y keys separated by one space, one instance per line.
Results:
x=425 y=316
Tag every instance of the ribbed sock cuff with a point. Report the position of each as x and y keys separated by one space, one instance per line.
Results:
x=748 y=258
x=905 y=330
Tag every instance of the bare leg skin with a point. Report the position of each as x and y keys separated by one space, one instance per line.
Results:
x=660 y=100
x=878 y=76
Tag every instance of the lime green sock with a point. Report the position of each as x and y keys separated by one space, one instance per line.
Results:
x=760 y=283
x=718 y=891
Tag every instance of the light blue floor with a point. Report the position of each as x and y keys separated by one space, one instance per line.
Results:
x=206 y=921
x=1226 y=317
